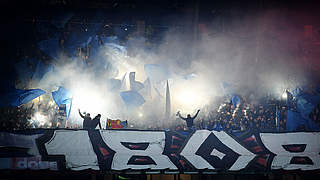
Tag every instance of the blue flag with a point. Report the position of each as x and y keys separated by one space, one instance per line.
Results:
x=110 y=39
x=277 y=118
x=132 y=98
x=63 y=96
x=116 y=48
x=114 y=84
x=311 y=125
x=94 y=46
x=296 y=91
x=134 y=85
x=289 y=100
x=306 y=104
x=16 y=97
x=236 y=100
x=41 y=70
x=72 y=43
x=294 y=120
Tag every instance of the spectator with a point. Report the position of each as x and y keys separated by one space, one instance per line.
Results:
x=86 y=120
x=189 y=119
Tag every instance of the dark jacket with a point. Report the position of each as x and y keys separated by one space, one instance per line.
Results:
x=86 y=121
x=95 y=121
x=189 y=120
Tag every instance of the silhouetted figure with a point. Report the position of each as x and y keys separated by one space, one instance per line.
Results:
x=86 y=120
x=189 y=119
x=95 y=121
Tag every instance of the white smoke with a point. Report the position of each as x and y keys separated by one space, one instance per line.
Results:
x=254 y=56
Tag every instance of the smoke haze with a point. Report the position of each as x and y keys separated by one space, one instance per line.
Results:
x=258 y=53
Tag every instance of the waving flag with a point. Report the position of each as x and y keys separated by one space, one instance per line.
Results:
x=146 y=91
x=94 y=46
x=41 y=70
x=123 y=82
x=306 y=103
x=132 y=98
x=114 y=84
x=294 y=120
x=115 y=49
x=236 y=100
x=134 y=85
x=63 y=96
x=296 y=92
x=110 y=39
x=72 y=43
x=16 y=97
x=289 y=100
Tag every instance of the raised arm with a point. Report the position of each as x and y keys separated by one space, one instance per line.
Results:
x=196 y=114
x=100 y=125
x=80 y=114
x=181 y=116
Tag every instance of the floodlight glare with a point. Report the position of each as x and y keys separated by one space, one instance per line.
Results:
x=284 y=95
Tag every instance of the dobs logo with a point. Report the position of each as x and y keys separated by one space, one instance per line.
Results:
x=33 y=163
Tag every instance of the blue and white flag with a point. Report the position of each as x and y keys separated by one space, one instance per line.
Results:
x=63 y=96
x=306 y=104
x=17 y=97
x=132 y=98
x=134 y=85
x=236 y=100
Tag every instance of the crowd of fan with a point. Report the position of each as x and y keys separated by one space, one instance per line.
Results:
x=227 y=117
x=15 y=118
x=243 y=117
x=30 y=116
x=246 y=116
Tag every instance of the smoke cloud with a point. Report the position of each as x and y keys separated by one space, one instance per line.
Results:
x=258 y=53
